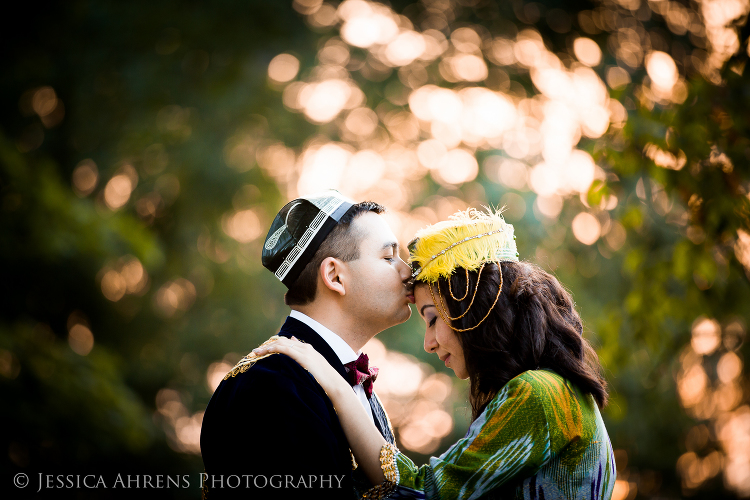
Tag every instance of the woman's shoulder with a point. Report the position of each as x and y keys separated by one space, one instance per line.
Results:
x=541 y=379
x=538 y=390
x=544 y=385
x=561 y=399
x=527 y=390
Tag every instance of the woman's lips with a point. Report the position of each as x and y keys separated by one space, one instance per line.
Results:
x=445 y=360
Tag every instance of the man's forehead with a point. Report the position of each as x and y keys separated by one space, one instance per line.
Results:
x=375 y=231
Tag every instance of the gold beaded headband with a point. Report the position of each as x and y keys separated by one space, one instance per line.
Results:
x=468 y=240
x=418 y=270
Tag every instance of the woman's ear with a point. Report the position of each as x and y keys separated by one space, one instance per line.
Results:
x=332 y=273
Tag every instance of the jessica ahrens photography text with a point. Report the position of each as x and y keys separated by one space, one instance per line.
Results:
x=178 y=481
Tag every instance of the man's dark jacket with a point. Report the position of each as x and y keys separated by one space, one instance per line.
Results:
x=276 y=420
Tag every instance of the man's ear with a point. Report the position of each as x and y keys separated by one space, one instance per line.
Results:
x=333 y=273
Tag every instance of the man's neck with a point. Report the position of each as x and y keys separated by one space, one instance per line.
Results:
x=338 y=324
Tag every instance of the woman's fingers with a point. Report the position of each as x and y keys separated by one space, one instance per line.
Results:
x=308 y=358
x=302 y=353
x=281 y=344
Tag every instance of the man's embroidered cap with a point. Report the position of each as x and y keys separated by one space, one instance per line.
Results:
x=298 y=230
x=466 y=240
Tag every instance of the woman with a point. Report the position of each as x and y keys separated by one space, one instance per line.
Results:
x=536 y=388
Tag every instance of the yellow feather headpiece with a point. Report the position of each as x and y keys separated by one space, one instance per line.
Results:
x=466 y=240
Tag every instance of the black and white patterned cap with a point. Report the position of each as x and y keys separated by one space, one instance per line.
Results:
x=298 y=231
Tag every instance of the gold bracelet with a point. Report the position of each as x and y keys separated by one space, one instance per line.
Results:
x=390 y=471
x=388 y=462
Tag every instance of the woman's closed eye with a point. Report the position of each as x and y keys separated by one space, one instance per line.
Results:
x=431 y=322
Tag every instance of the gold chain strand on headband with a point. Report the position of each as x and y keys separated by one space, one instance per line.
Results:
x=445 y=307
x=499 y=290
x=467 y=288
x=437 y=307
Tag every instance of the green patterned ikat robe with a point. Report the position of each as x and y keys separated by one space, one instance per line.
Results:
x=539 y=438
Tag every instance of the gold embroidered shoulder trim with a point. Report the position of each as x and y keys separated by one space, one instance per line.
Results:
x=245 y=363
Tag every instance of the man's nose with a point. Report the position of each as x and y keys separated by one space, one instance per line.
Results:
x=404 y=269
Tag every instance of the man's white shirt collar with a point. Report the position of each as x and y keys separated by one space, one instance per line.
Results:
x=343 y=350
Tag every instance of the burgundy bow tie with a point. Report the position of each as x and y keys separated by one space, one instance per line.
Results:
x=359 y=372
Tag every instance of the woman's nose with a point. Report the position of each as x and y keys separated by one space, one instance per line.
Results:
x=430 y=344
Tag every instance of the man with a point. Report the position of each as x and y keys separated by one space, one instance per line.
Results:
x=269 y=430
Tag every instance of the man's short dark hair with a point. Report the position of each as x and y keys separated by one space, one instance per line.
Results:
x=341 y=243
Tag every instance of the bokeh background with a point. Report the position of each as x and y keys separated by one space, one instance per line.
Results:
x=146 y=145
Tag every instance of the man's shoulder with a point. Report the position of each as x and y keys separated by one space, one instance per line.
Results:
x=276 y=369
x=266 y=389
x=266 y=380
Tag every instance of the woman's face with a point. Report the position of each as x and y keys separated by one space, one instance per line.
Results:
x=438 y=336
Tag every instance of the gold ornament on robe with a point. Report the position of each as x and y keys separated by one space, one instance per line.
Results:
x=248 y=361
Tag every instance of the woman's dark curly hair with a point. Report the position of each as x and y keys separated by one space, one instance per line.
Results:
x=534 y=325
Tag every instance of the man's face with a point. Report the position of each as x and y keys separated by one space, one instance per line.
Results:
x=377 y=291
